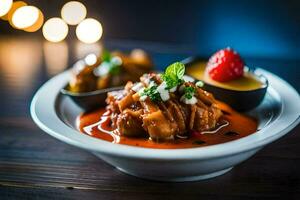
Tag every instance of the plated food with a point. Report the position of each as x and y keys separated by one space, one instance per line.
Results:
x=222 y=142
x=226 y=69
x=169 y=110
x=111 y=69
x=226 y=75
x=173 y=110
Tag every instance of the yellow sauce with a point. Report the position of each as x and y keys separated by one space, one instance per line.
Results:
x=245 y=83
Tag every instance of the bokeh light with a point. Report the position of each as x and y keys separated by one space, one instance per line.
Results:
x=73 y=12
x=89 y=31
x=37 y=25
x=14 y=7
x=55 y=29
x=5 y=6
x=25 y=17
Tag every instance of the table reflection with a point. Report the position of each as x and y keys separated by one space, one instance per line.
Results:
x=81 y=49
x=20 y=61
x=56 y=57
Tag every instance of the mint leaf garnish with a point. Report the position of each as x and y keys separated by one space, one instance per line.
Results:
x=175 y=70
x=173 y=74
x=106 y=56
x=112 y=63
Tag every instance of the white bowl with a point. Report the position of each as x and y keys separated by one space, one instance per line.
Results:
x=278 y=114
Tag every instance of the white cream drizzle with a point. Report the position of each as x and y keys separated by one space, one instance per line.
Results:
x=173 y=89
x=190 y=101
x=137 y=87
x=216 y=130
x=163 y=92
x=188 y=78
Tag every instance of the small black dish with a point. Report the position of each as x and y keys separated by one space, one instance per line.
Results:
x=239 y=100
x=89 y=100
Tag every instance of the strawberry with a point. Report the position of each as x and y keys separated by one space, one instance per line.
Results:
x=225 y=65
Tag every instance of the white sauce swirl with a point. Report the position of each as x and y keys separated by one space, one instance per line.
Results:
x=137 y=86
x=163 y=92
x=188 y=78
x=191 y=101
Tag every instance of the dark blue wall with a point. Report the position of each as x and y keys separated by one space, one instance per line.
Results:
x=268 y=29
x=255 y=28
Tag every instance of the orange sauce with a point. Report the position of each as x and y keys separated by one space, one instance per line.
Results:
x=235 y=126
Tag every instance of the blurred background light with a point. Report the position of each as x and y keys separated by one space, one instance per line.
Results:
x=89 y=31
x=37 y=25
x=14 y=7
x=55 y=29
x=73 y=12
x=5 y=6
x=25 y=17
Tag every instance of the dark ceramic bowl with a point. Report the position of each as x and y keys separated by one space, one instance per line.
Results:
x=239 y=100
x=89 y=100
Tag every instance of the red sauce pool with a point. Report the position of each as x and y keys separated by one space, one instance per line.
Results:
x=239 y=126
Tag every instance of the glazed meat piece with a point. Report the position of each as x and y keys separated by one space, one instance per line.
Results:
x=83 y=79
x=157 y=125
x=147 y=108
x=129 y=123
x=109 y=70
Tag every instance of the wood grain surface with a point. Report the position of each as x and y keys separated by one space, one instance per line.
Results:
x=34 y=165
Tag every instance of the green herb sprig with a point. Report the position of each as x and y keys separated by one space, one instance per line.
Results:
x=199 y=84
x=106 y=56
x=173 y=75
x=112 y=63
x=152 y=93
x=189 y=92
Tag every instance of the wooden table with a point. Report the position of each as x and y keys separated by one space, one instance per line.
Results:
x=33 y=165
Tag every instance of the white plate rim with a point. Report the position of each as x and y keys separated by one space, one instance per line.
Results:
x=44 y=115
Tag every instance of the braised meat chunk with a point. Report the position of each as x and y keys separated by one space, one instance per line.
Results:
x=163 y=106
x=110 y=69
